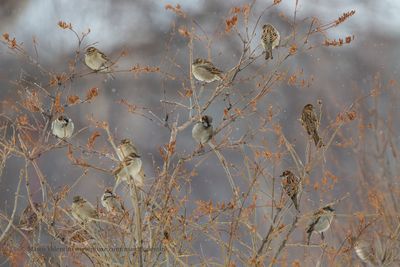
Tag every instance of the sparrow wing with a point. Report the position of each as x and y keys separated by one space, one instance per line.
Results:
x=310 y=229
x=211 y=68
x=309 y=121
x=103 y=56
x=274 y=35
x=316 y=217
x=266 y=40
x=291 y=187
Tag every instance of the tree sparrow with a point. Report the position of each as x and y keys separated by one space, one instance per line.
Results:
x=202 y=131
x=130 y=169
x=204 y=71
x=62 y=127
x=321 y=222
x=364 y=251
x=98 y=61
x=111 y=202
x=292 y=186
x=82 y=210
x=270 y=39
x=125 y=148
x=28 y=220
x=310 y=123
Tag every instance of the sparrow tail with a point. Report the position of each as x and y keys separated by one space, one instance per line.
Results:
x=317 y=139
x=267 y=55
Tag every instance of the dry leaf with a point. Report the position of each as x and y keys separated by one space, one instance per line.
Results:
x=57 y=104
x=72 y=99
x=92 y=93
x=23 y=120
x=92 y=139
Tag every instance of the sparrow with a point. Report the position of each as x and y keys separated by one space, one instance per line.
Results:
x=125 y=148
x=202 y=131
x=130 y=169
x=28 y=220
x=205 y=71
x=377 y=251
x=270 y=39
x=75 y=236
x=62 y=127
x=82 y=210
x=321 y=222
x=292 y=186
x=98 y=61
x=310 y=123
x=111 y=202
x=364 y=251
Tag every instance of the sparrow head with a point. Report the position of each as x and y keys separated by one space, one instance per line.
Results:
x=268 y=27
x=131 y=157
x=77 y=199
x=91 y=50
x=38 y=206
x=199 y=61
x=308 y=107
x=206 y=120
x=126 y=142
x=108 y=193
x=328 y=208
x=286 y=173
x=64 y=120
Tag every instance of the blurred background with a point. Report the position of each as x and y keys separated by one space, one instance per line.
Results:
x=142 y=29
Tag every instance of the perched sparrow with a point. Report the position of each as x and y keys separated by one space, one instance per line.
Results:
x=125 y=148
x=310 y=123
x=62 y=127
x=28 y=220
x=75 y=236
x=204 y=71
x=82 y=210
x=202 y=131
x=111 y=202
x=321 y=222
x=364 y=251
x=292 y=186
x=98 y=61
x=270 y=39
x=130 y=169
x=377 y=251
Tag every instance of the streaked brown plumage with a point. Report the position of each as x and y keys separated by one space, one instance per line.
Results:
x=310 y=123
x=112 y=203
x=98 y=61
x=205 y=71
x=292 y=186
x=270 y=39
x=130 y=169
x=125 y=148
x=29 y=220
x=83 y=210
